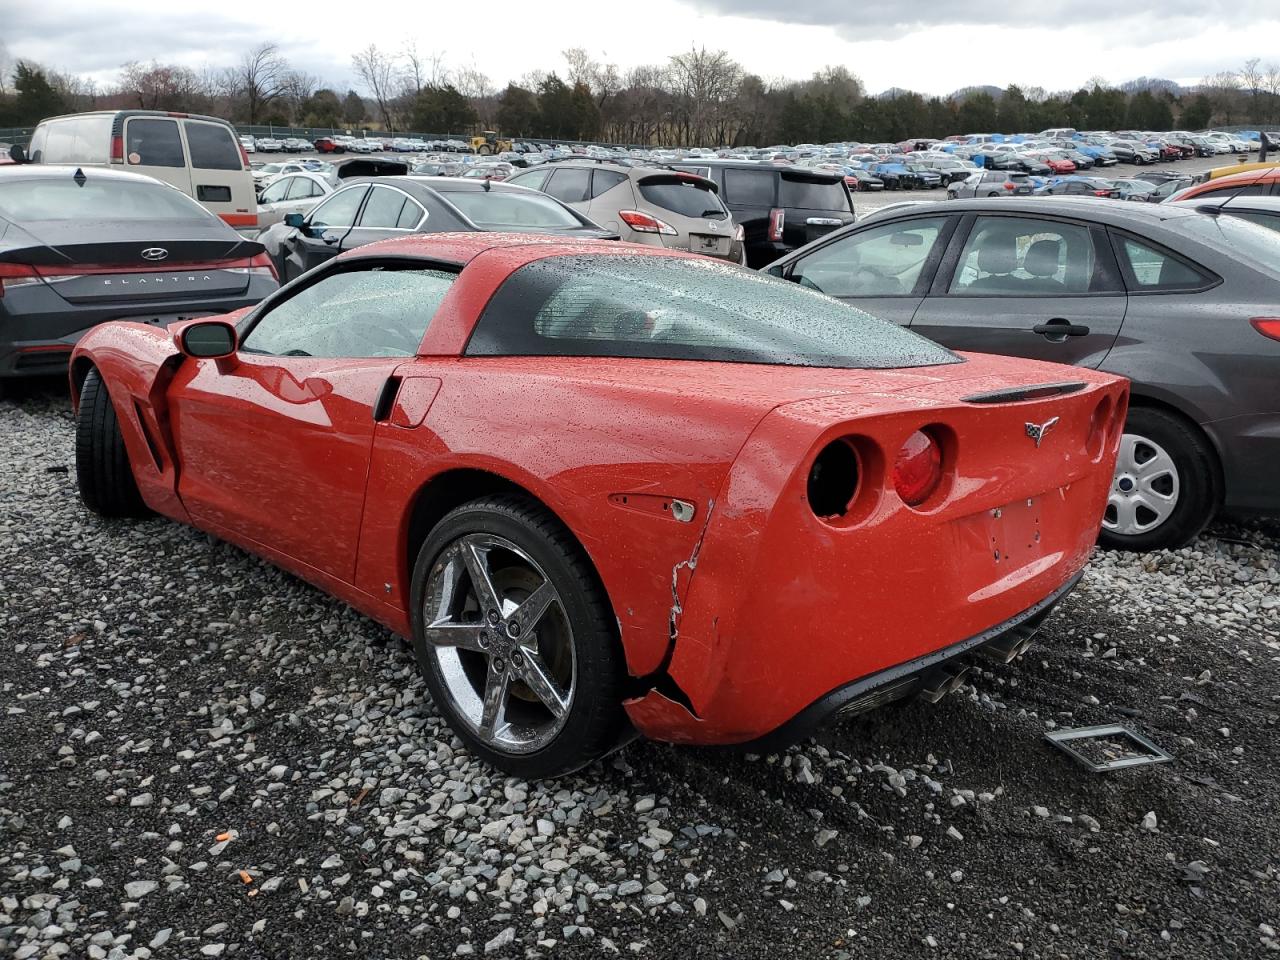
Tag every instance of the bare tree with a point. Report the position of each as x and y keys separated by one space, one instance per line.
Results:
x=378 y=71
x=7 y=63
x=258 y=79
x=298 y=88
x=1252 y=78
x=705 y=83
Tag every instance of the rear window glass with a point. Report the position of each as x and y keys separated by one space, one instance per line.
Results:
x=689 y=198
x=750 y=187
x=98 y=199
x=81 y=140
x=1240 y=237
x=811 y=195
x=212 y=147
x=153 y=143
x=685 y=309
x=495 y=210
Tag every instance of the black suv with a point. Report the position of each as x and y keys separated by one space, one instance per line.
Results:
x=779 y=208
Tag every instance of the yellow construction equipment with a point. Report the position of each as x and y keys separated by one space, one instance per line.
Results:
x=489 y=143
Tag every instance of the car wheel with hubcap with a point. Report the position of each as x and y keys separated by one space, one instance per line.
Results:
x=1165 y=487
x=515 y=638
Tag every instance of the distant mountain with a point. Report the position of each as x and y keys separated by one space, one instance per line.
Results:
x=1155 y=85
x=959 y=96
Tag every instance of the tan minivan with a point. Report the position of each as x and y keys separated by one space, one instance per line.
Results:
x=201 y=156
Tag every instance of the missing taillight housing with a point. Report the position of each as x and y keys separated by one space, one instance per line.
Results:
x=1100 y=426
x=833 y=480
x=917 y=469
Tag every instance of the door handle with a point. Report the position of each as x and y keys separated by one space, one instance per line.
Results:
x=1058 y=329
x=331 y=240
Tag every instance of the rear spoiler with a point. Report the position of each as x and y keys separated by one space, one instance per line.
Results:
x=1038 y=391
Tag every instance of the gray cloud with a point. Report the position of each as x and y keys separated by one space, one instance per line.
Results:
x=1175 y=19
x=100 y=38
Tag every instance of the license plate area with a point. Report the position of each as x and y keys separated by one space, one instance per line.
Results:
x=701 y=243
x=1014 y=534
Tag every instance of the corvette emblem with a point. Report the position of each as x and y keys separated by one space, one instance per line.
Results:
x=154 y=253
x=1036 y=431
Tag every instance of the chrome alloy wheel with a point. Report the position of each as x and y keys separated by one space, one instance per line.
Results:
x=502 y=641
x=1144 y=490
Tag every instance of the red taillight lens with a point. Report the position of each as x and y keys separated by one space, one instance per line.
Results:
x=17 y=275
x=643 y=223
x=777 y=220
x=244 y=154
x=918 y=469
x=1102 y=193
x=260 y=265
x=1009 y=186
x=1267 y=326
x=117 y=149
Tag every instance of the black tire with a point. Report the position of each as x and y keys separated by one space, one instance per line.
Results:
x=595 y=722
x=1198 y=482
x=103 y=474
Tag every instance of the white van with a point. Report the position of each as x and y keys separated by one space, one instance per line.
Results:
x=201 y=156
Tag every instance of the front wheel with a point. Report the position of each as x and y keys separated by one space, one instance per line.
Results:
x=514 y=636
x=103 y=473
x=1165 y=488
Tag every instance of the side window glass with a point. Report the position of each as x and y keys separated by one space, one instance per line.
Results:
x=276 y=191
x=1150 y=269
x=882 y=261
x=340 y=209
x=1024 y=256
x=569 y=184
x=153 y=143
x=299 y=188
x=212 y=146
x=383 y=209
x=604 y=180
x=410 y=215
x=749 y=187
x=534 y=181
x=357 y=313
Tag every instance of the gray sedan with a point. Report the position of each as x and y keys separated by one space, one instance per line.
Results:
x=1181 y=301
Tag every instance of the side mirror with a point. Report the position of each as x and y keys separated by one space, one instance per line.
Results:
x=206 y=339
x=297 y=221
x=17 y=154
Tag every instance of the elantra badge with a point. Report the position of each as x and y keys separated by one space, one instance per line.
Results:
x=1036 y=431
x=154 y=253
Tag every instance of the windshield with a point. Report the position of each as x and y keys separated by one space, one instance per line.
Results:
x=97 y=199
x=685 y=309
x=499 y=210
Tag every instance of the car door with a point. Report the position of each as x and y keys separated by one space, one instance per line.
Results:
x=1026 y=286
x=323 y=231
x=388 y=212
x=273 y=444
x=153 y=146
x=273 y=205
x=884 y=269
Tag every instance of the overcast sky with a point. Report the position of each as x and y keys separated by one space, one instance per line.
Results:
x=935 y=46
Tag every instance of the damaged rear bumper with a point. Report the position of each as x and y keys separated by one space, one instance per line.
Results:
x=930 y=677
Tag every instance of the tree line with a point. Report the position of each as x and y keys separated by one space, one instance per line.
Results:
x=698 y=98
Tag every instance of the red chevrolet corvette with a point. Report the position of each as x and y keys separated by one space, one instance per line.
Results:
x=608 y=488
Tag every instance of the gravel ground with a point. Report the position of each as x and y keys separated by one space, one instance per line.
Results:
x=201 y=756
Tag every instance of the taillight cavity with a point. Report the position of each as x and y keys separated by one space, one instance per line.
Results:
x=917 y=470
x=117 y=149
